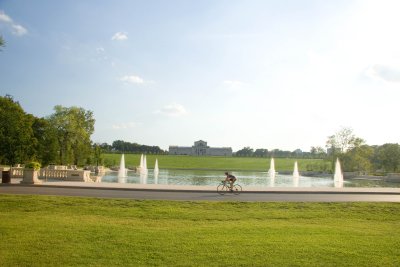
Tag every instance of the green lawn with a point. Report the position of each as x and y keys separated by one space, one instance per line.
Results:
x=69 y=231
x=212 y=163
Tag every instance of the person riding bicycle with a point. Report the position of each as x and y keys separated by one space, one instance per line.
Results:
x=231 y=179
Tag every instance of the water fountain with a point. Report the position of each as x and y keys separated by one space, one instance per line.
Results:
x=122 y=171
x=141 y=163
x=296 y=175
x=156 y=170
x=144 y=169
x=271 y=171
x=338 y=177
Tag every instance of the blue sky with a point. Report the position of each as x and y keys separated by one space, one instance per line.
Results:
x=264 y=74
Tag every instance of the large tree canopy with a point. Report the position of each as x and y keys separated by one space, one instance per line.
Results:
x=387 y=157
x=46 y=147
x=16 y=135
x=73 y=127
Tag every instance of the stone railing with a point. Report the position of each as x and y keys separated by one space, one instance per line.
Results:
x=63 y=175
x=16 y=172
x=53 y=174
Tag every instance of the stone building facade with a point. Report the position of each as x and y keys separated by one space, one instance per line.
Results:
x=200 y=148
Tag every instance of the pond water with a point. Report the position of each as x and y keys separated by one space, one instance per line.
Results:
x=247 y=178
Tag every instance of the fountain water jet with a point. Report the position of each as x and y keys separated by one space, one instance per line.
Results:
x=156 y=170
x=141 y=162
x=122 y=171
x=271 y=171
x=296 y=170
x=338 y=177
x=296 y=175
x=144 y=170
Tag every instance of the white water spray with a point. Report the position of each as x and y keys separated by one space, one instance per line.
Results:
x=338 y=177
x=296 y=175
x=271 y=171
x=122 y=170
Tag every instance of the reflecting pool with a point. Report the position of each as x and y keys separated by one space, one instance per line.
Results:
x=245 y=178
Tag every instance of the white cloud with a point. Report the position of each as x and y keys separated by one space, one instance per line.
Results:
x=19 y=30
x=128 y=125
x=120 y=36
x=4 y=17
x=16 y=29
x=173 y=110
x=132 y=79
x=383 y=72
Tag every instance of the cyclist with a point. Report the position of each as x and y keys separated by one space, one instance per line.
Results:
x=231 y=179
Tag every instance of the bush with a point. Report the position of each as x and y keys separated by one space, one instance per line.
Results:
x=33 y=165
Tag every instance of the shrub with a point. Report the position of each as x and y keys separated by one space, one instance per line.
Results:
x=33 y=165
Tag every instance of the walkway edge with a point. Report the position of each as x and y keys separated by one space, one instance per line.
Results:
x=314 y=190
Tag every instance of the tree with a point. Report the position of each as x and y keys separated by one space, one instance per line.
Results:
x=387 y=157
x=245 y=152
x=317 y=152
x=97 y=151
x=2 y=43
x=343 y=140
x=73 y=126
x=46 y=147
x=16 y=135
x=261 y=152
x=358 y=159
x=340 y=144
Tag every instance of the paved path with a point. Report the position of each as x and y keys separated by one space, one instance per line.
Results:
x=206 y=194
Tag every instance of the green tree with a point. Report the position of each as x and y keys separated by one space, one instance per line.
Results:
x=97 y=152
x=340 y=146
x=245 y=152
x=358 y=159
x=387 y=157
x=343 y=140
x=260 y=152
x=2 y=43
x=16 y=135
x=317 y=152
x=73 y=126
x=46 y=146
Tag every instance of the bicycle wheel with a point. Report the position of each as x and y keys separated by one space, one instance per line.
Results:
x=222 y=189
x=237 y=189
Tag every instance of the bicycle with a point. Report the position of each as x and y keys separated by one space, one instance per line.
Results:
x=224 y=188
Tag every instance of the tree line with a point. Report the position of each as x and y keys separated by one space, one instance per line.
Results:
x=121 y=146
x=315 y=153
x=63 y=137
x=353 y=152
x=357 y=156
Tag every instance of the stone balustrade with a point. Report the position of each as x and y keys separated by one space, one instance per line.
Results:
x=56 y=174
x=16 y=172
x=53 y=174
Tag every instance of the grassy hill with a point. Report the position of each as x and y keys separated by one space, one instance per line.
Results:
x=215 y=163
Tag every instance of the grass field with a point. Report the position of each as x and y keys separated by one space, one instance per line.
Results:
x=213 y=163
x=68 y=231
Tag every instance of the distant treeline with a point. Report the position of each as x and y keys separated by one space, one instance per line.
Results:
x=120 y=146
x=315 y=153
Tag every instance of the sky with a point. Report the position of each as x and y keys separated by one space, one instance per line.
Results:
x=265 y=74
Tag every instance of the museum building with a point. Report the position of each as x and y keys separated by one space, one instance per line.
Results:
x=200 y=148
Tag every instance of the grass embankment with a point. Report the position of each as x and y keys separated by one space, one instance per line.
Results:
x=213 y=163
x=67 y=231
